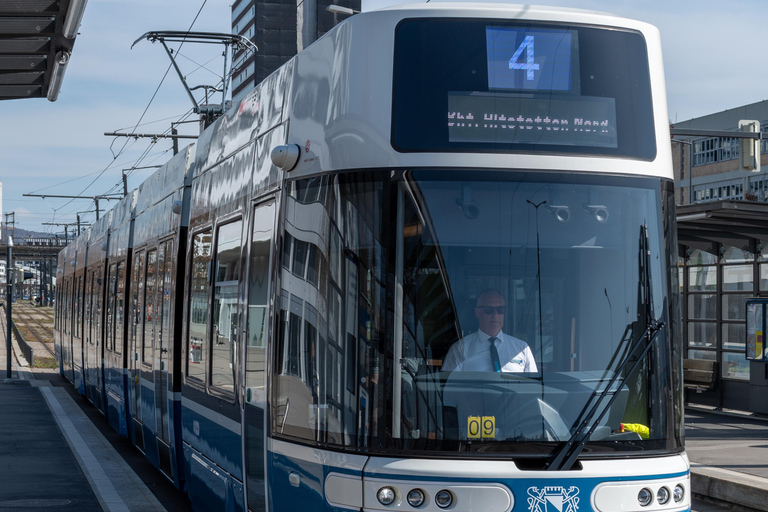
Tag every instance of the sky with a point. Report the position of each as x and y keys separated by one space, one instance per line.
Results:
x=712 y=58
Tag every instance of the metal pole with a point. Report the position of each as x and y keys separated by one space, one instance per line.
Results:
x=9 y=299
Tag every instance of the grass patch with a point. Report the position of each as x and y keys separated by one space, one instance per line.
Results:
x=45 y=362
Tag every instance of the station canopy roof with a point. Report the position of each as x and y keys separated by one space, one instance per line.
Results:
x=741 y=224
x=36 y=40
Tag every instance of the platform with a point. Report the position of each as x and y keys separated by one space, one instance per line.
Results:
x=57 y=452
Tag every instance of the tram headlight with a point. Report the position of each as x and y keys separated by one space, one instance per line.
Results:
x=662 y=496
x=386 y=495
x=679 y=493
x=644 y=497
x=416 y=498
x=444 y=499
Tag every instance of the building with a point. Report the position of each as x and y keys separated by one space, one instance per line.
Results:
x=707 y=168
x=722 y=218
x=280 y=29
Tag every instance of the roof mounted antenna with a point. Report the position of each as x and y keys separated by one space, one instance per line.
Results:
x=208 y=112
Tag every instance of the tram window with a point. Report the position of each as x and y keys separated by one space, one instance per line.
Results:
x=137 y=323
x=97 y=300
x=258 y=294
x=79 y=308
x=331 y=326
x=166 y=294
x=198 y=304
x=225 y=308
x=159 y=312
x=111 y=286
x=119 y=308
x=150 y=289
x=87 y=308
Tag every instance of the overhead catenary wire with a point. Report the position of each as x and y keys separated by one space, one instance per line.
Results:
x=141 y=118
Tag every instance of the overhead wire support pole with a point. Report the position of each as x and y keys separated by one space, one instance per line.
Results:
x=65 y=224
x=95 y=199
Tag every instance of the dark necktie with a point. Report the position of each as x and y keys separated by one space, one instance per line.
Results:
x=494 y=354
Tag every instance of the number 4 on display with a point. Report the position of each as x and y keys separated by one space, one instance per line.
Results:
x=529 y=65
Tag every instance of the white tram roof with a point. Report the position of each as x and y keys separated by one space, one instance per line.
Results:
x=339 y=96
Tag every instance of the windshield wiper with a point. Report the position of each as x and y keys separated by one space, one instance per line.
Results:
x=565 y=458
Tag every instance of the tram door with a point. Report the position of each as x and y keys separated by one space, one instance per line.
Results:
x=88 y=350
x=136 y=343
x=163 y=329
x=98 y=288
x=257 y=338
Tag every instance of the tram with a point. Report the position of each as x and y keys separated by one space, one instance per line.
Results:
x=428 y=264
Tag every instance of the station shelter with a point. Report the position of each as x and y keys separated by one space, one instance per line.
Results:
x=723 y=261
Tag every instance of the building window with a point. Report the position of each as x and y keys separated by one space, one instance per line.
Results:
x=715 y=149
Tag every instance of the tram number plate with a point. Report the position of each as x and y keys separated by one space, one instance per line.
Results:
x=481 y=427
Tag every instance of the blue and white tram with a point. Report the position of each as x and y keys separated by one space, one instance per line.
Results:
x=340 y=231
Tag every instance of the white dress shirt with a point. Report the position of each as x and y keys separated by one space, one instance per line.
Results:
x=472 y=354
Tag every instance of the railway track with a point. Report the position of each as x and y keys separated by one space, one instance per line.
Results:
x=29 y=324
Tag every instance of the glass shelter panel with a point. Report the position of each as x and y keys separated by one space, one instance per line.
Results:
x=702 y=334
x=737 y=278
x=735 y=366
x=702 y=306
x=702 y=279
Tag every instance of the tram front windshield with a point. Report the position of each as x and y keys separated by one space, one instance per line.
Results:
x=393 y=283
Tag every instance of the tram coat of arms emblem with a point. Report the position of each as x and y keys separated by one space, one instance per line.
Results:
x=553 y=499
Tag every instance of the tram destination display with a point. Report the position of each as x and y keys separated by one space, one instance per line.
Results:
x=570 y=121
x=521 y=86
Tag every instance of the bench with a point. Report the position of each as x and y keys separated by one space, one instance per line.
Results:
x=699 y=374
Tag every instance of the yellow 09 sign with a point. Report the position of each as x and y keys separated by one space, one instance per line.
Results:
x=481 y=427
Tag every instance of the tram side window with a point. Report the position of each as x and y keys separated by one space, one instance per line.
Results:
x=97 y=301
x=258 y=295
x=166 y=295
x=160 y=313
x=111 y=287
x=79 y=308
x=137 y=324
x=65 y=308
x=119 y=308
x=225 y=308
x=198 y=304
x=150 y=289
x=328 y=374
x=89 y=307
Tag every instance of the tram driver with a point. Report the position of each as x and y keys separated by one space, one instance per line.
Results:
x=489 y=349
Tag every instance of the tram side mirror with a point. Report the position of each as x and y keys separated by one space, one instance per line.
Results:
x=286 y=156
